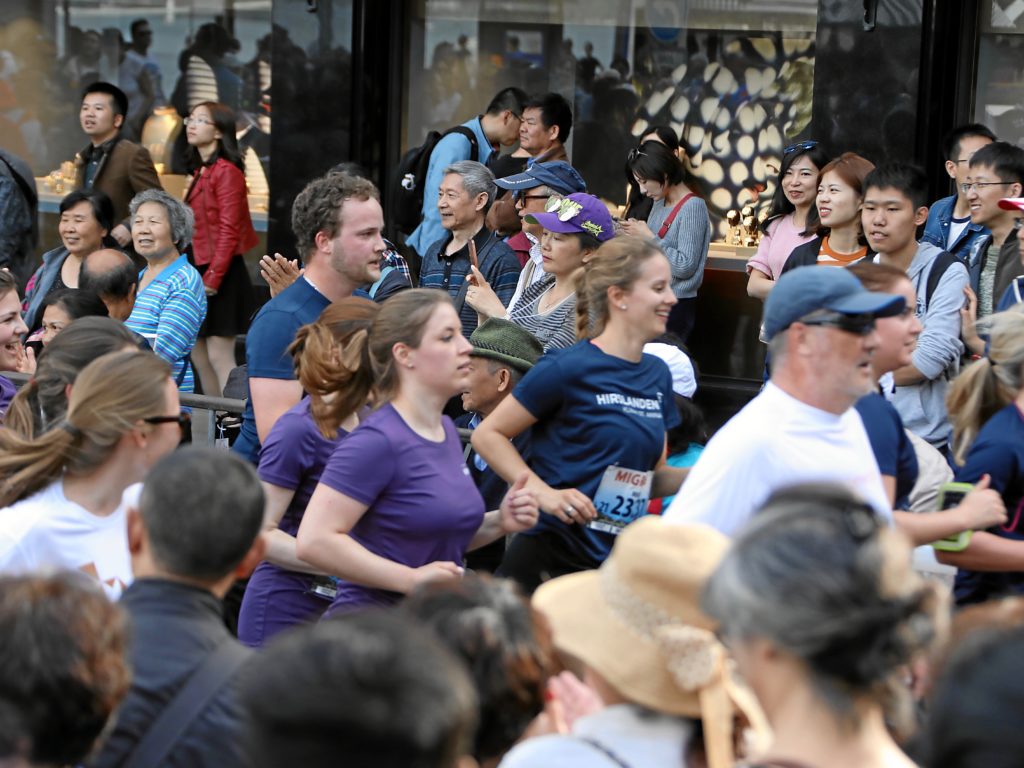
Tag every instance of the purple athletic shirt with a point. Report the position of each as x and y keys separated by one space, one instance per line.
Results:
x=7 y=393
x=423 y=505
x=293 y=457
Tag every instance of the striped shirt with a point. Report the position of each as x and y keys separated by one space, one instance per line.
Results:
x=557 y=328
x=168 y=312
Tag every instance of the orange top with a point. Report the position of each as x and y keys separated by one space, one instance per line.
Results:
x=829 y=258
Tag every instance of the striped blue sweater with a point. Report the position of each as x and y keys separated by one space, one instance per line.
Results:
x=168 y=312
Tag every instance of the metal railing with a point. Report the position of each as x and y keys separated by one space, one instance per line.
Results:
x=201 y=402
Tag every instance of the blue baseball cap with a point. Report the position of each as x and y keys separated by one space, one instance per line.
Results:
x=812 y=288
x=559 y=176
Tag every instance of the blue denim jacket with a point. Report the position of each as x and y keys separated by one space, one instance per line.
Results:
x=936 y=229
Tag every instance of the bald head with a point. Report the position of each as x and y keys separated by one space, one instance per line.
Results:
x=111 y=275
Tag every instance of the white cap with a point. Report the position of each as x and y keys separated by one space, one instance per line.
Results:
x=684 y=381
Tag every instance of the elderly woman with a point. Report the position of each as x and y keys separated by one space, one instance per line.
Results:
x=86 y=218
x=171 y=302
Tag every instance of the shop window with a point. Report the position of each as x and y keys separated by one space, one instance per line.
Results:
x=1000 y=86
x=182 y=53
x=734 y=79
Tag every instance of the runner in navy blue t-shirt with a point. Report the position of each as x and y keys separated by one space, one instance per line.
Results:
x=992 y=565
x=601 y=409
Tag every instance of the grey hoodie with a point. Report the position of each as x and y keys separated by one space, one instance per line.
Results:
x=923 y=406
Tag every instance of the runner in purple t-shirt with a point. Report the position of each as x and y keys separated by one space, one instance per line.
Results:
x=284 y=590
x=396 y=505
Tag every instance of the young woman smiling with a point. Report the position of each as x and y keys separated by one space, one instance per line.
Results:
x=839 y=200
x=224 y=232
x=791 y=219
x=599 y=412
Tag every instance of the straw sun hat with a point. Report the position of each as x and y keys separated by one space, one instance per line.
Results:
x=637 y=622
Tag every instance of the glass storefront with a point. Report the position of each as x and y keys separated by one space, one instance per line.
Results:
x=999 y=93
x=734 y=79
x=167 y=56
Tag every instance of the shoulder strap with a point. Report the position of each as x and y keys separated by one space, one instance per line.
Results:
x=604 y=751
x=474 y=148
x=202 y=685
x=380 y=281
x=942 y=263
x=667 y=224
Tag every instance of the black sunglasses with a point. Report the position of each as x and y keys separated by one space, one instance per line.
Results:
x=859 y=325
x=800 y=146
x=517 y=196
x=181 y=419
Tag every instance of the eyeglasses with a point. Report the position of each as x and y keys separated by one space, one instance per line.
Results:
x=634 y=154
x=563 y=206
x=859 y=325
x=967 y=186
x=197 y=121
x=522 y=197
x=799 y=147
x=181 y=419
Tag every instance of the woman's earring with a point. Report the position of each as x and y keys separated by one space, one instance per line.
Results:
x=622 y=306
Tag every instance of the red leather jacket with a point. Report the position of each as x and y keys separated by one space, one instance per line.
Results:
x=218 y=199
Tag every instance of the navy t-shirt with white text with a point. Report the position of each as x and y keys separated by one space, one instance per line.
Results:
x=594 y=410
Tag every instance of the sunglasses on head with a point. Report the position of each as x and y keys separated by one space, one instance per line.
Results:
x=634 y=154
x=859 y=325
x=563 y=206
x=800 y=146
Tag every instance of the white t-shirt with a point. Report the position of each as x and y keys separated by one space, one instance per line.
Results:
x=775 y=441
x=46 y=532
x=638 y=738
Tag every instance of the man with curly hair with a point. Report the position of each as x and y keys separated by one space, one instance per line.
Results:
x=338 y=222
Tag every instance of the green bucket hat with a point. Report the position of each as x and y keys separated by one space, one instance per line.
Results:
x=507 y=343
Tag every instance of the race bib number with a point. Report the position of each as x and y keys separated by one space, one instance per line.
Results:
x=621 y=498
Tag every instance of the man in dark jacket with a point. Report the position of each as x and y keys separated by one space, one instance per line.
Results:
x=119 y=167
x=194 y=530
x=19 y=204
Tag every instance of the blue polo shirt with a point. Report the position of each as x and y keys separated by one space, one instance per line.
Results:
x=266 y=349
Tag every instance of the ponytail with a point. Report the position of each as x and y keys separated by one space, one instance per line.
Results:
x=110 y=397
x=989 y=384
x=332 y=362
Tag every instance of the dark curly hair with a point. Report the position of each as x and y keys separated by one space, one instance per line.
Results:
x=489 y=625
x=318 y=206
x=62 y=666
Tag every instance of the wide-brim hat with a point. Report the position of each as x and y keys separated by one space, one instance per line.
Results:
x=637 y=622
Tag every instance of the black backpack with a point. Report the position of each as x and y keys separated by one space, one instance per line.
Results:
x=406 y=206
